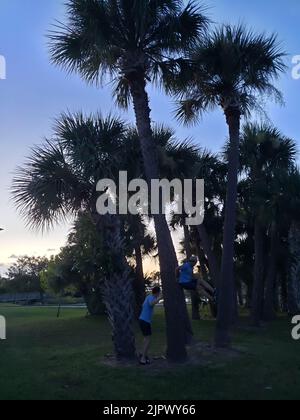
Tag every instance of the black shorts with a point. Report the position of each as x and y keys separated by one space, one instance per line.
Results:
x=192 y=285
x=146 y=328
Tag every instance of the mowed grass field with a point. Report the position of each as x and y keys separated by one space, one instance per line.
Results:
x=46 y=358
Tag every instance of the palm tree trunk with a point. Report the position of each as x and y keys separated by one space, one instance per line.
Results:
x=240 y=295
x=277 y=294
x=195 y=298
x=226 y=289
x=283 y=297
x=203 y=262
x=212 y=260
x=209 y=278
x=269 y=313
x=175 y=306
x=139 y=285
x=117 y=291
x=258 y=285
x=293 y=297
x=187 y=242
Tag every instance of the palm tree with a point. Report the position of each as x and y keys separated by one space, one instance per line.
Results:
x=140 y=243
x=59 y=180
x=134 y=42
x=228 y=70
x=294 y=274
x=264 y=151
x=283 y=210
x=290 y=199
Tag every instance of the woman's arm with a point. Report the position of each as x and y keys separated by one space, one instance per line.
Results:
x=156 y=301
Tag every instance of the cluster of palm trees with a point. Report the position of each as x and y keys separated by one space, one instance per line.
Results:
x=168 y=43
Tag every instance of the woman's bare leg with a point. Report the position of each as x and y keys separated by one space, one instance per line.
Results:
x=145 y=354
x=204 y=293
x=206 y=286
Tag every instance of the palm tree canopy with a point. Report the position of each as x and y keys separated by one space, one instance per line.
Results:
x=263 y=148
x=120 y=38
x=267 y=161
x=59 y=178
x=229 y=69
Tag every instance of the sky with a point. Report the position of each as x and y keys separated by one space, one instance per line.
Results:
x=35 y=92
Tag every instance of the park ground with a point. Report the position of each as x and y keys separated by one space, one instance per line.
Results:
x=46 y=358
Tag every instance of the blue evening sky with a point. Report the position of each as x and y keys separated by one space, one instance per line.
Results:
x=35 y=92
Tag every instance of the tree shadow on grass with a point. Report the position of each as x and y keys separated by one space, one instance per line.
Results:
x=199 y=355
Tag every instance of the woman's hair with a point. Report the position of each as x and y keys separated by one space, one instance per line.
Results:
x=156 y=290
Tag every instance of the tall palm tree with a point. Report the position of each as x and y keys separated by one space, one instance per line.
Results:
x=283 y=209
x=132 y=43
x=294 y=274
x=264 y=151
x=231 y=69
x=59 y=180
x=290 y=201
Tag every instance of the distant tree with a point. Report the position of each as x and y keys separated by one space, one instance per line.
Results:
x=78 y=265
x=4 y=286
x=24 y=276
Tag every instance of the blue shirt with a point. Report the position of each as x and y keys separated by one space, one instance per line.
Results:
x=148 y=309
x=186 y=273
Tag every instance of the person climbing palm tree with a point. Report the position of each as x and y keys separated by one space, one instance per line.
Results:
x=188 y=280
x=185 y=274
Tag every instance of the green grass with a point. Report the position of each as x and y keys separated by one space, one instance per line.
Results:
x=49 y=358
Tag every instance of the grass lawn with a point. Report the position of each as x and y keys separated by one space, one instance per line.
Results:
x=49 y=358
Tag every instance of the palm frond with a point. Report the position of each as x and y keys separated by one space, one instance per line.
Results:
x=45 y=189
